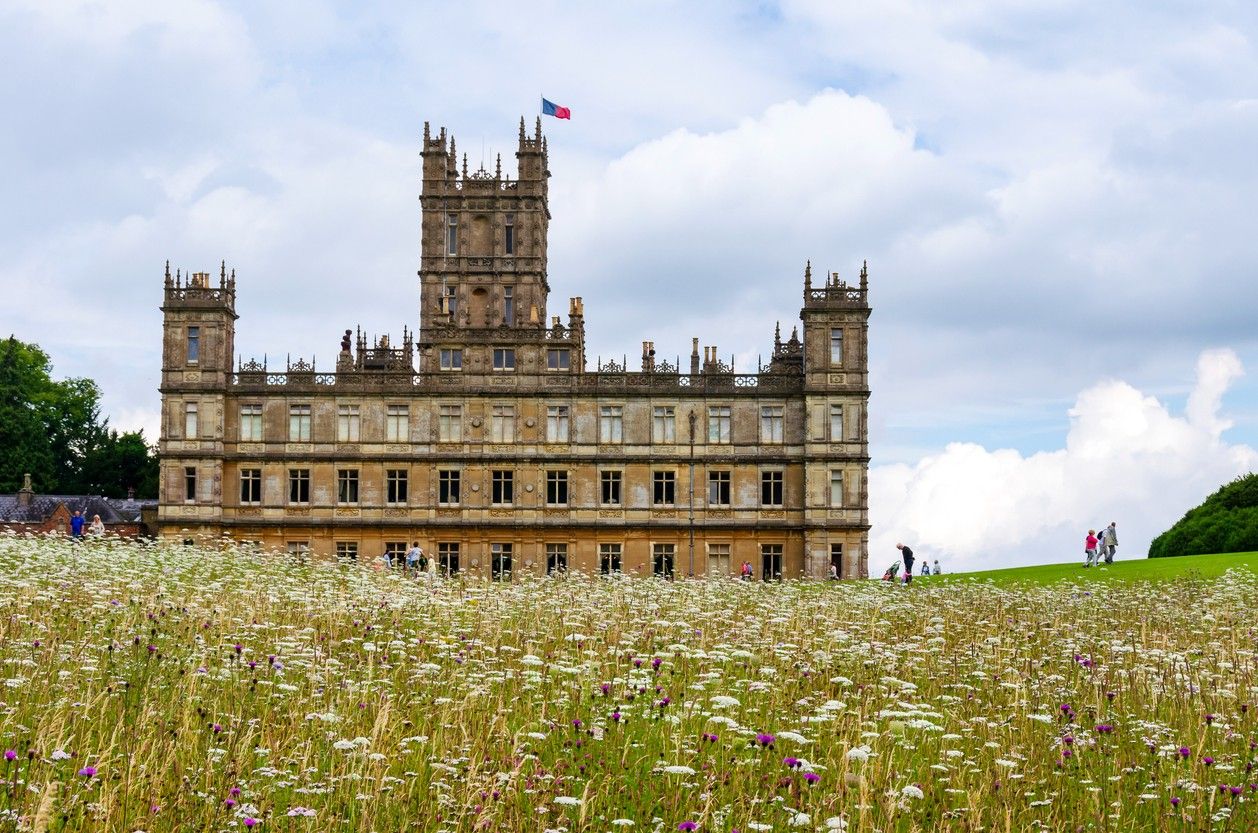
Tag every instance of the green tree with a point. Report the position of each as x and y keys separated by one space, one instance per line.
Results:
x=53 y=430
x=24 y=393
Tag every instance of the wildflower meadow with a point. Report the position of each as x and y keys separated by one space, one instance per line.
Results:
x=153 y=687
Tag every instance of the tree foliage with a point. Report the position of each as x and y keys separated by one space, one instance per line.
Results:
x=1227 y=521
x=53 y=431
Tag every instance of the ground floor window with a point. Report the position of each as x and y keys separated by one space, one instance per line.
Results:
x=556 y=558
x=836 y=561
x=608 y=558
x=347 y=550
x=662 y=559
x=395 y=553
x=718 y=559
x=448 y=558
x=500 y=562
x=298 y=548
x=771 y=562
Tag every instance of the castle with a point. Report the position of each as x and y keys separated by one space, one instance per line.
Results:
x=485 y=436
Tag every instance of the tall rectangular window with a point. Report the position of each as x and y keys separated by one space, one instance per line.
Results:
x=251 y=423
x=608 y=558
x=662 y=559
x=448 y=490
x=504 y=358
x=836 y=423
x=190 y=420
x=556 y=558
x=502 y=487
x=299 y=485
x=448 y=557
x=347 y=550
x=664 y=424
x=770 y=488
x=509 y=234
x=508 y=305
x=194 y=345
x=719 y=423
x=190 y=484
x=299 y=423
x=557 y=488
x=556 y=423
x=452 y=235
x=450 y=423
x=836 y=347
x=397 y=423
x=397 y=485
x=610 y=424
x=451 y=358
x=558 y=359
x=347 y=485
x=251 y=485
x=664 y=488
x=610 y=481
x=500 y=562
x=502 y=423
x=771 y=562
x=718 y=488
x=450 y=301
x=836 y=487
x=718 y=559
x=348 y=424
x=771 y=421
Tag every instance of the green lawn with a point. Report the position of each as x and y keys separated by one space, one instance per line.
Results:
x=1142 y=569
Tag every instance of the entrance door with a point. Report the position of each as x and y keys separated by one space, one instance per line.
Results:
x=836 y=560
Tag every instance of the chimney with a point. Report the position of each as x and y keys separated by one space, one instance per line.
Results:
x=130 y=494
x=25 y=493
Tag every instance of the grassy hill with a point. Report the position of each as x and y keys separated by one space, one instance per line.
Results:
x=1144 y=569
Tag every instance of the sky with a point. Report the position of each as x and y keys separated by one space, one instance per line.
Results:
x=1051 y=197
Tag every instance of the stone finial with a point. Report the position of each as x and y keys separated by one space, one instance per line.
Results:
x=498 y=166
x=864 y=274
x=808 y=275
x=427 y=135
x=537 y=131
x=465 y=166
x=521 y=131
x=777 y=335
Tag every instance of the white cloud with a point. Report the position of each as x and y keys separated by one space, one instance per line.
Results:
x=1126 y=458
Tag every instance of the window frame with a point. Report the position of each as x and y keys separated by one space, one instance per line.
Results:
x=556 y=558
x=450 y=423
x=664 y=424
x=772 y=480
x=504 y=360
x=250 y=486
x=720 y=424
x=299 y=417
x=299 y=485
x=192 y=345
x=558 y=418
x=450 y=359
x=836 y=346
x=251 y=416
x=452 y=234
x=502 y=486
x=449 y=487
x=611 y=424
x=558 y=359
x=502 y=423
x=190 y=484
x=612 y=479
x=772 y=424
x=720 y=488
x=397 y=423
x=347 y=491
x=349 y=423
x=838 y=499
x=556 y=487
x=836 y=410
x=663 y=488
x=610 y=554
x=191 y=420
x=397 y=484
x=448 y=558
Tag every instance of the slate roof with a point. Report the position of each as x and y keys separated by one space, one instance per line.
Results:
x=111 y=510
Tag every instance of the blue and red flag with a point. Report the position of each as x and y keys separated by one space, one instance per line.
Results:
x=550 y=108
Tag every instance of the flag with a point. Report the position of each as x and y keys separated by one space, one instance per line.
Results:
x=549 y=108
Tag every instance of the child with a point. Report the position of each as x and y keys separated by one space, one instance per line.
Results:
x=1089 y=548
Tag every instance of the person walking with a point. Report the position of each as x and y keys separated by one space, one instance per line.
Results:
x=746 y=571
x=906 y=555
x=925 y=567
x=937 y=571
x=413 y=558
x=1090 y=544
x=1110 y=541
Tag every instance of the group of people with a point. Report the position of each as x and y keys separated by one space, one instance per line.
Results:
x=907 y=557
x=415 y=561
x=1098 y=546
x=78 y=524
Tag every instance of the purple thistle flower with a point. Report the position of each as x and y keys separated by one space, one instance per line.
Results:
x=615 y=717
x=656 y=663
x=1184 y=752
x=1207 y=760
x=87 y=771
x=576 y=723
x=1209 y=719
x=10 y=755
x=1175 y=801
x=811 y=777
x=234 y=792
x=765 y=739
x=791 y=763
x=229 y=803
x=238 y=647
x=606 y=688
x=1068 y=740
x=687 y=826
x=250 y=821
x=216 y=728
x=1235 y=791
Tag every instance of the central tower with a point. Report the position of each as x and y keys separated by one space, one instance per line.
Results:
x=483 y=249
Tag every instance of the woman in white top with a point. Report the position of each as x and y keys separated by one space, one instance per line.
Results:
x=97 y=527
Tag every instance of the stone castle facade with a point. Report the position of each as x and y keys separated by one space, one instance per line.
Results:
x=486 y=437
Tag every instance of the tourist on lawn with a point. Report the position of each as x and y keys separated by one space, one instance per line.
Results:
x=925 y=567
x=834 y=572
x=937 y=571
x=414 y=558
x=1089 y=548
x=1109 y=541
x=76 y=524
x=907 y=555
x=97 y=528
x=745 y=571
